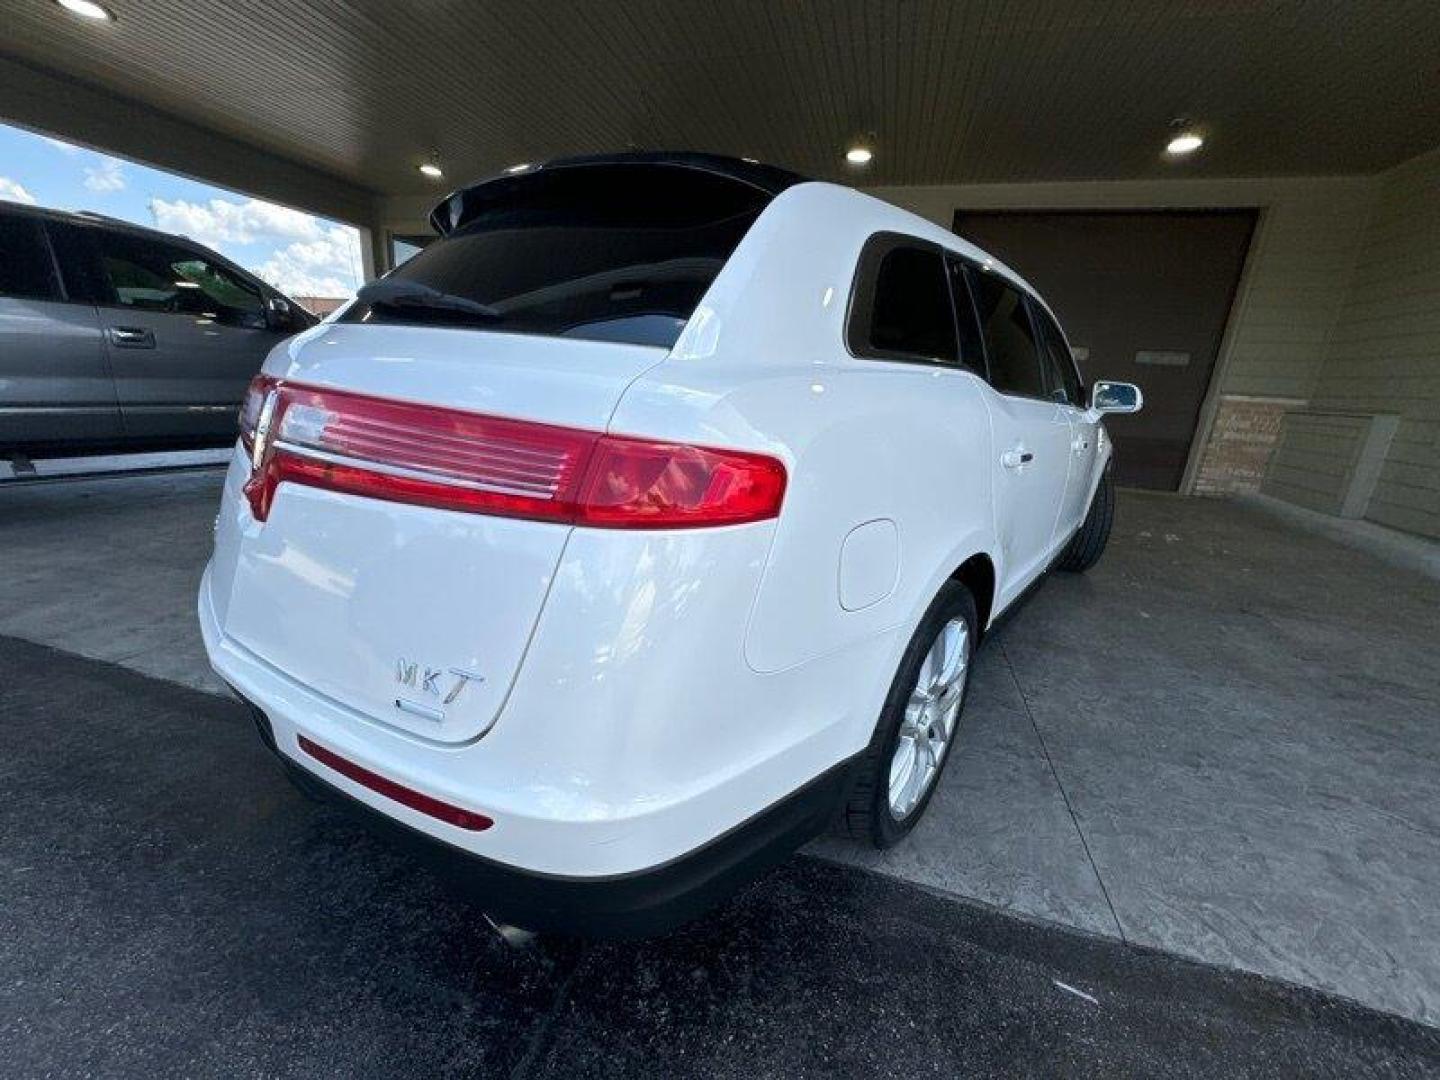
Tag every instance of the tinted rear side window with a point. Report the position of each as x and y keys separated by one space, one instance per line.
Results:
x=901 y=305
x=25 y=268
x=151 y=275
x=1009 y=338
x=1061 y=381
x=621 y=253
x=972 y=350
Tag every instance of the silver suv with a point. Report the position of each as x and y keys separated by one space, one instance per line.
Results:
x=113 y=336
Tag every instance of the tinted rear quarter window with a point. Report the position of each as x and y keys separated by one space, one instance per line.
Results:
x=909 y=312
x=26 y=271
x=621 y=253
x=1009 y=338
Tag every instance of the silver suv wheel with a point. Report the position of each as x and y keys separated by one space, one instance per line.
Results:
x=930 y=715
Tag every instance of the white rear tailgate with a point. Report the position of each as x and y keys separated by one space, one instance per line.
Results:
x=412 y=616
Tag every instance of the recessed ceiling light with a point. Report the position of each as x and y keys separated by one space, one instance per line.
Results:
x=859 y=155
x=433 y=171
x=1187 y=142
x=87 y=9
x=520 y=167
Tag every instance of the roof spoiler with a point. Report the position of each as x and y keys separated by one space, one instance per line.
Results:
x=463 y=205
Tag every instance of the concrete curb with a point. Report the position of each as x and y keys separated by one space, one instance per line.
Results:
x=1389 y=545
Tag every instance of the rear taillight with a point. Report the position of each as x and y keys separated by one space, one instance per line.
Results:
x=456 y=460
x=638 y=484
x=251 y=406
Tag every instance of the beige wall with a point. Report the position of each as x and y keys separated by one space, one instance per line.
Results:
x=1290 y=298
x=1384 y=354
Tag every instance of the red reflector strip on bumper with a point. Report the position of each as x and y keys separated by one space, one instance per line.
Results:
x=452 y=815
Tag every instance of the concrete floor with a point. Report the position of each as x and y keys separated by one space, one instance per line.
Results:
x=169 y=906
x=1222 y=742
x=110 y=568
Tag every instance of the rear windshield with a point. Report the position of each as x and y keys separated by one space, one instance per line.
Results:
x=622 y=253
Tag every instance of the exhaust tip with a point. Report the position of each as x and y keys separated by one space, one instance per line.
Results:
x=514 y=936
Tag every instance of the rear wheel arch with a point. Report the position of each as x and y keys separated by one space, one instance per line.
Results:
x=869 y=811
x=977 y=573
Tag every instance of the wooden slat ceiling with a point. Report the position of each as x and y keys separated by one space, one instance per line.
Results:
x=981 y=90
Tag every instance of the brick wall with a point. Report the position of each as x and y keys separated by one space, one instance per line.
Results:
x=320 y=305
x=1242 y=439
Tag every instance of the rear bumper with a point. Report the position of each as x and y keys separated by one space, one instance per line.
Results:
x=565 y=857
x=638 y=904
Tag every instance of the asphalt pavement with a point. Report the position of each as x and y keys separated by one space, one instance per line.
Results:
x=170 y=906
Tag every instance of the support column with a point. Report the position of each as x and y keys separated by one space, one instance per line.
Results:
x=374 y=251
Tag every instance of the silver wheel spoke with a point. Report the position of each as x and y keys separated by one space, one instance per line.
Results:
x=934 y=678
x=916 y=781
x=956 y=639
x=902 y=766
x=949 y=707
x=910 y=778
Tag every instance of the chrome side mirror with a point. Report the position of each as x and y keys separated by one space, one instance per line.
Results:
x=1116 y=397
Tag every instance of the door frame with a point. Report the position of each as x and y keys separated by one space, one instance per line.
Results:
x=1238 y=298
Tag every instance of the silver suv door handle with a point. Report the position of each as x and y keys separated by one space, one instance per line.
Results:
x=132 y=337
x=1013 y=459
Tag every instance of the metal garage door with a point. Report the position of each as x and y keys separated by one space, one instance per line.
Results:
x=1144 y=297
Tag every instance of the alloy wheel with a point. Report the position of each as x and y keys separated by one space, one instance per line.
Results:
x=930 y=718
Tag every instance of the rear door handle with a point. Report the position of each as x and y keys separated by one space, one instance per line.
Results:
x=1013 y=459
x=132 y=337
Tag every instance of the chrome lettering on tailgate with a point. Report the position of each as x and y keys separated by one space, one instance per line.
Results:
x=427 y=680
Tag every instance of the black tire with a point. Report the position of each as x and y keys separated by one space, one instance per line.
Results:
x=1088 y=544
x=867 y=814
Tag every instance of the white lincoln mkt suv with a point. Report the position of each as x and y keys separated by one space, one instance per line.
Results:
x=644 y=525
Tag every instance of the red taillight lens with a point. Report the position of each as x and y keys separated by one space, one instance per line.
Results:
x=251 y=406
x=637 y=484
x=457 y=460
